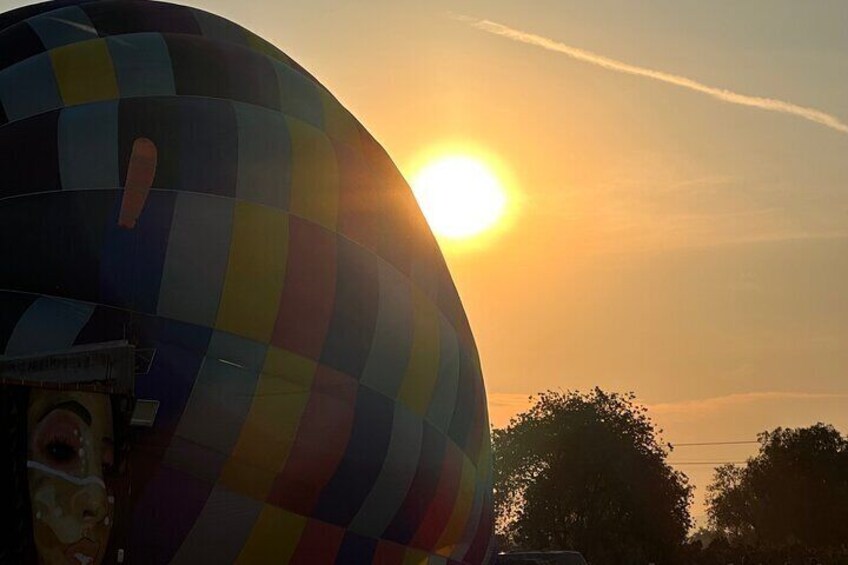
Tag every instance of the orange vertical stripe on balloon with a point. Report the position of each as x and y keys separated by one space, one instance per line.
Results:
x=140 y=175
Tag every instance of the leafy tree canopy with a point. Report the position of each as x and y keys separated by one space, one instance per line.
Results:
x=586 y=472
x=794 y=492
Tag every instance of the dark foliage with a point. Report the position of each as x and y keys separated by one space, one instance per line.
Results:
x=586 y=472
x=793 y=493
x=722 y=552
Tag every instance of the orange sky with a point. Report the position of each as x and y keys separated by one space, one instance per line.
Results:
x=687 y=247
x=666 y=242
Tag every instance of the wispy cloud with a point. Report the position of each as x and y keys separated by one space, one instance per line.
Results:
x=722 y=94
x=504 y=406
x=720 y=403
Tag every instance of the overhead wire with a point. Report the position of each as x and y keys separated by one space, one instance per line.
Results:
x=707 y=463
x=705 y=443
x=711 y=444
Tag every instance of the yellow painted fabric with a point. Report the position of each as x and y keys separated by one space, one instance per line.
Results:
x=271 y=425
x=315 y=175
x=255 y=272
x=423 y=369
x=339 y=123
x=484 y=460
x=481 y=486
x=415 y=557
x=274 y=537
x=461 y=509
x=84 y=72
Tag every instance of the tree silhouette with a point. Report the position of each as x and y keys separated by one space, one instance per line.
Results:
x=586 y=472
x=794 y=492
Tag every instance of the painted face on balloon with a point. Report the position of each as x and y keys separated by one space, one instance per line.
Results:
x=70 y=454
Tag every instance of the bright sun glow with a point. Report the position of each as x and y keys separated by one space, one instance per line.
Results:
x=460 y=196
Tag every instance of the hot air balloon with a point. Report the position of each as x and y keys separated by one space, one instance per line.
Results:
x=227 y=333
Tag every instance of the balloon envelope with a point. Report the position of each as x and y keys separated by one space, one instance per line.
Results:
x=171 y=180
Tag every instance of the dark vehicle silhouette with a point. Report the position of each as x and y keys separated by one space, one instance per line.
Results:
x=541 y=558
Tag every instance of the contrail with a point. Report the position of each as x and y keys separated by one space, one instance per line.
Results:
x=722 y=94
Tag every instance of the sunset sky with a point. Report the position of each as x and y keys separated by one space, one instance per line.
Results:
x=669 y=231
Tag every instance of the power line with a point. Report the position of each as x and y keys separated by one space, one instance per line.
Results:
x=707 y=462
x=696 y=444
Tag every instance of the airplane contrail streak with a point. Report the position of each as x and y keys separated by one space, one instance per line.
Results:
x=722 y=94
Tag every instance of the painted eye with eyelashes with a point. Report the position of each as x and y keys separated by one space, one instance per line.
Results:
x=58 y=440
x=62 y=440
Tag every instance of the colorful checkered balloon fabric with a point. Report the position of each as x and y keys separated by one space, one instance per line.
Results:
x=321 y=394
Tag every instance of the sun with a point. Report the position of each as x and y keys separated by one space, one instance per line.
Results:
x=461 y=196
